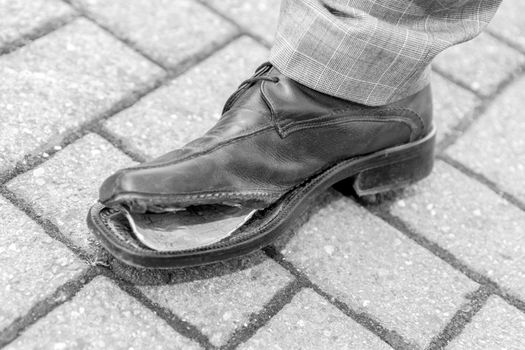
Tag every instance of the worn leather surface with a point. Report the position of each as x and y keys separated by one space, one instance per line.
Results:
x=270 y=138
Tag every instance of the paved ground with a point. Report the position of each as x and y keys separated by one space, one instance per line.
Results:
x=89 y=86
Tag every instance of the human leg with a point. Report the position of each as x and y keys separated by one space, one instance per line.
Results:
x=371 y=52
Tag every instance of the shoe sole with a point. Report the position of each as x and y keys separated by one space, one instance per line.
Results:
x=382 y=171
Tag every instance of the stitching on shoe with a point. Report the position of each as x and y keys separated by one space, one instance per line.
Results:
x=361 y=112
x=418 y=117
x=272 y=109
x=209 y=194
x=413 y=114
x=293 y=128
x=206 y=151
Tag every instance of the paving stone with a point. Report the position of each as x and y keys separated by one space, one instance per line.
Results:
x=258 y=17
x=372 y=267
x=21 y=18
x=481 y=64
x=187 y=107
x=452 y=105
x=170 y=31
x=60 y=81
x=497 y=326
x=470 y=221
x=310 y=322
x=63 y=188
x=101 y=316
x=509 y=22
x=494 y=146
x=220 y=298
x=32 y=264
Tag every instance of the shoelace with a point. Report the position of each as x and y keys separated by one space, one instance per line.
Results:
x=257 y=76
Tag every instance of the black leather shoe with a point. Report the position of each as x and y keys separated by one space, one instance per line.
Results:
x=277 y=145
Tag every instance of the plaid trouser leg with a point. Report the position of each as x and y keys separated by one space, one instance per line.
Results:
x=371 y=51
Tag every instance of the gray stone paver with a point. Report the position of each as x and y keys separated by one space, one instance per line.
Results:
x=63 y=188
x=373 y=268
x=187 y=107
x=452 y=105
x=258 y=17
x=495 y=146
x=32 y=264
x=101 y=316
x=482 y=64
x=509 y=22
x=170 y=31
x=471 y=221
x=220 y=298
x=79 y=72
x=21 y=18
x=497 y=326
x=310 y=322
x=60 y=81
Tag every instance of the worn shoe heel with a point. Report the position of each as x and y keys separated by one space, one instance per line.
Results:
x=398 y=168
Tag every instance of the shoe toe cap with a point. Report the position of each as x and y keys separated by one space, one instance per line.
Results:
x=110 y=187
x=144 y=182
x=123 y=182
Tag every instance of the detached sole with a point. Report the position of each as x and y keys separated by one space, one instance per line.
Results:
x=374 y=173
x=191 y=228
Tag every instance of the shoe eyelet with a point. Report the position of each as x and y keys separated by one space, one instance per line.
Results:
x=275 y=79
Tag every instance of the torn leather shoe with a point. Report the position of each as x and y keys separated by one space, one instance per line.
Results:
x=277 y=145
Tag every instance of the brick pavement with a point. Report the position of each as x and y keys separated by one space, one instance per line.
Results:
x=437 y=265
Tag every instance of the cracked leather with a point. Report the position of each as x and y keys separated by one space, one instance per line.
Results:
x=270 y=138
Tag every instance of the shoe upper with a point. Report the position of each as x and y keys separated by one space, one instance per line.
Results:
x=274 y=134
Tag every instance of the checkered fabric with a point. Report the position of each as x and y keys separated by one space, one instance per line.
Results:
x=371 y=51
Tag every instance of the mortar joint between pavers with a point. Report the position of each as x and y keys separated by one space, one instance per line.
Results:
x=511 y=299
x=242 y=29
x=118 y=143
x=482 y=179
x=47 y=226
x=452 y=79
x=480 y=110
x=260 y=318
x=446 y=256
x=502 y=39
x=462 y=317
x=32 y=161
x=37 y=33
x=193 y=60
x=84 y=14
x=174 y=321
x=181 y=66
x=392 y=338
x=443 y=254
x=42 y=308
